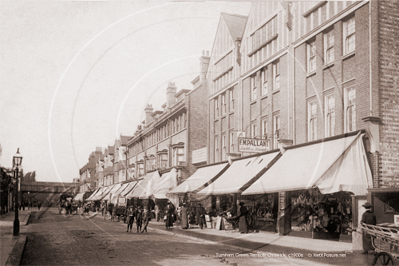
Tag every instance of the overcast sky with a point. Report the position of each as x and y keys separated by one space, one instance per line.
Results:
x=75 y=75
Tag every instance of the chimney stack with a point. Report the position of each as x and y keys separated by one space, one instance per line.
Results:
x=148 y=114
x=204 y=63
x=238 y=54
x=171 y=95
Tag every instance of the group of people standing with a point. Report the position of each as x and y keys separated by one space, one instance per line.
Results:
x=190 y=215
x=142 y=216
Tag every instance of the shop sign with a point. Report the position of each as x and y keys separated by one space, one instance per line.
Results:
x=253 y=145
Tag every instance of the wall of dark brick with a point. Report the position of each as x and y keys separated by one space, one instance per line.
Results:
x=197 y=105
x=388 y=34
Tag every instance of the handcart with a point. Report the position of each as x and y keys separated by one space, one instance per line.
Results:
x=386 y=243
x=234 y=221
x=119 y=212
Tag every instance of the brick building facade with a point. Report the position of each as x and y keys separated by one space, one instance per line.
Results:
x=306 y=71
x=166 y=139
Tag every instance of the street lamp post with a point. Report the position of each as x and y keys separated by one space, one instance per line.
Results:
x=16 y=162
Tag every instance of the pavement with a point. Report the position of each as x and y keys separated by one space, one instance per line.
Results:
x=12 y=247
x=264 y=243
x=312 y=251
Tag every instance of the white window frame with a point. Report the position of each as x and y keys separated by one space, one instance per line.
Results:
x=276 y=75
x=264 y=82
x=216 y=102
x=349 y=38
x=311 y=54
x=231 y=140
x=329 y=111
x=276 y=130
x=231 y=100
x=265 y=124
x=163 y=160
x=224 y=148
x=329 y=56
x=223 y=103
x=140 y=167
x=216 y=155
x=253 y=130
x=312 y=121
x=178 y=155
x=350 y=109
x=254 y=93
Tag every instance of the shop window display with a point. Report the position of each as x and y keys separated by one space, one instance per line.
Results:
x=262 y=211
x=330 y=215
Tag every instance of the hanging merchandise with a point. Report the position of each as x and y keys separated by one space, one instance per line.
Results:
x=329 y=214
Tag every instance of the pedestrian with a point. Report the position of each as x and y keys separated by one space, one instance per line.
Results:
x=368 y=217
x=169 y=214
x=139 y=219
x=200 y=215
x=184 y=217
x=130 y=218
x=191 y=216
x=242 y=214
x=39 y=204
x=146 y=219
x=110 y=208
x=102 y=208
x=156 y=209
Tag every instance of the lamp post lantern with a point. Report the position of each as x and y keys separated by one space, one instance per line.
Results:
x=16 y=162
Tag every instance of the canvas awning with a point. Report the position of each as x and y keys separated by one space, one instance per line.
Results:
x=110 y=193
x=239 y=174
x=94 y=194
x=145 y=186
x=115 y=196
x=332 y=166
x=129 y=188
x=202 y=176
x=166 y=183
x=101 y=193
x=79 y=196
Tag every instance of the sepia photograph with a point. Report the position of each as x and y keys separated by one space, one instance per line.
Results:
x=199 y=132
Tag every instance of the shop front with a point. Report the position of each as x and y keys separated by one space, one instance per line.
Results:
x=93 y=194
x=239 y=176
x=385 y=203
x=263 y=211
x=204 y=176
x=316 y=184
x=166 y=183
x=144 y=189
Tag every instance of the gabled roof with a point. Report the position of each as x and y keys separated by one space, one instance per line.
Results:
x=235 y=24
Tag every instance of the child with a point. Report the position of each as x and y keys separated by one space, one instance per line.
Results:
x=146 y=219
x=130 y=218
x=139 y=220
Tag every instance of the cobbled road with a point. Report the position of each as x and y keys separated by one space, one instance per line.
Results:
x=55 y=239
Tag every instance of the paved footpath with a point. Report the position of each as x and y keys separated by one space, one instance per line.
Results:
x=301 y=250
x=8 y=242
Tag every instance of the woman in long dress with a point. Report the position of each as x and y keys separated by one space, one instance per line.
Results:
x=242 y=213
x=184 y=217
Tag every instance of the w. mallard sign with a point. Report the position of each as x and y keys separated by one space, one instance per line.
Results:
x=253 y=145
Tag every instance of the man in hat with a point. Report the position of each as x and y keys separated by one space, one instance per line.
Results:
x=200 y=215
x=368 y=217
